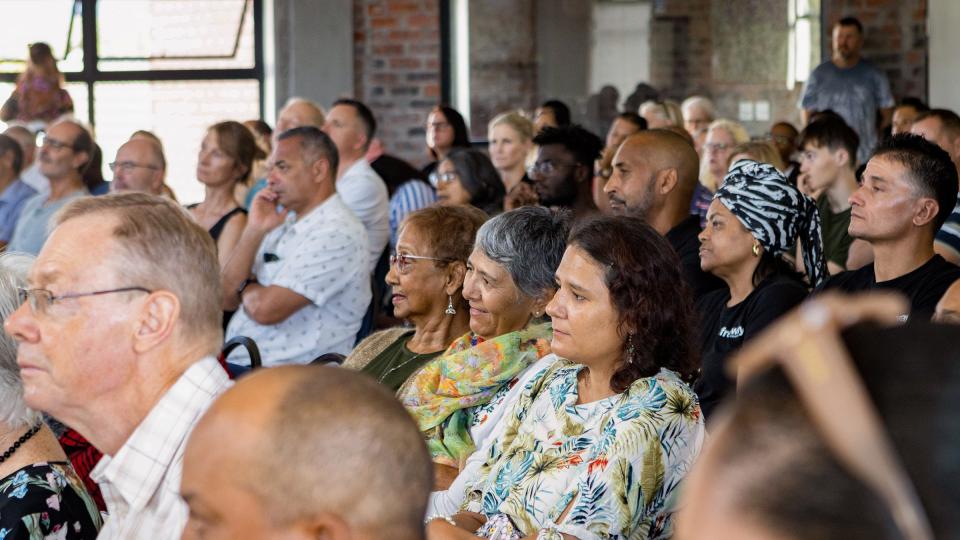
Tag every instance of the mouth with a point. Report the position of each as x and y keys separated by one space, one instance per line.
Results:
x=477 y=311
x=397 y=298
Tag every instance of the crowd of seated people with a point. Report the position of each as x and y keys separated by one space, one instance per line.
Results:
x=564 y=335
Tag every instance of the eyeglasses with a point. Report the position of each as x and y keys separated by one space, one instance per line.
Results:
x=818 y=366
x=127 y=166
x=41 y=299
x=55 y=144
x=546 y=167
x=716 y=147
x=443 y=178
x=403 y=260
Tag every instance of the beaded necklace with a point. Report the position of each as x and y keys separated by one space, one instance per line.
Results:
x=16 y=446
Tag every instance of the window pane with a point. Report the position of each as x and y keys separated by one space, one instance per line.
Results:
x=175 y=34
x=179 y=113
x=56 y=15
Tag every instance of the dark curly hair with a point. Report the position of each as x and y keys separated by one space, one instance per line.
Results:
x=654 y=303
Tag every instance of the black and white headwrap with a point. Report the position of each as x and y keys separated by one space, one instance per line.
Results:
x=775 y=212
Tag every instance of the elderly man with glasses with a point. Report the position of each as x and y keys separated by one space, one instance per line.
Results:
x=139 y=166
x=117 y=335
x=64 y=156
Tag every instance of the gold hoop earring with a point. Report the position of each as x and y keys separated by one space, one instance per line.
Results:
x=756 y=250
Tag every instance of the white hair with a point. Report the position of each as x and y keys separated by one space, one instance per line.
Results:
x=694 y=102
x=14 y=413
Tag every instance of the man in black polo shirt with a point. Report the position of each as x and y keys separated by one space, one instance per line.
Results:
x=908 y=189
x=654 y=175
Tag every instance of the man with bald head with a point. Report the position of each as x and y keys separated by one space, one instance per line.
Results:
x=654 y=175
x=139 y=166
x=314 y=452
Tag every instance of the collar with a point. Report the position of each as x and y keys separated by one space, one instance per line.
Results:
x=311 y=219
x=15 y=191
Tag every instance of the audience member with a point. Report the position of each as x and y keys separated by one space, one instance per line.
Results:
x=510 y=138
x=139 y=166
x=426 y=276
x=30 y=172
x=446 y=130
x=905 y=113
x=642 y=92
x=467 y=176
x=759 y=151
x=118 y=340
x=40 y=493
x=942 y=127
x=722 y=136
x=908 y=189
x=698 y=113
x=850 y=86
x=948 y=308
x=408 y=188
x=654 y=175
x=785 y=139
x=562 y=174
x=64 y=156
x=299 y=273
x=552 y=113
x=755 y=219
x=608 y=412
x=262 y=134
x=343 y=445
x=296 y=112
x=510 y=278
x=93 y=178
x=624 y=125
x=832 y=436
x=14 y=192
x=39 y=96
x=828 y=174
x=659 y=114
x=152 y=137
x=351 y=126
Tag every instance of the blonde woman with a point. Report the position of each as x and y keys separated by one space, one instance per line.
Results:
x=510 y=138
x=659 y=114
x=722 y=136
x=759 y=151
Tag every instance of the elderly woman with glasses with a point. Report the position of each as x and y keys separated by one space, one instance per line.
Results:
x=426 y=278
x=467 y=176
x=601 y=433
x=40 y=494
x=509 y=279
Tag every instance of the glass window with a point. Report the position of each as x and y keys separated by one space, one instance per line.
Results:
x=58 y=23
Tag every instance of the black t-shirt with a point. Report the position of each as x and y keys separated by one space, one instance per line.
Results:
x=924 y=286
x=684 y=240
x=724 y=329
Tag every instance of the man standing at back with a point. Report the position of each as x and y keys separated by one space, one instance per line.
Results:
x=351 y=126
x=117 y=339
x=850 y=86
x=300 y=274
x=654 y=175
x=908 y=189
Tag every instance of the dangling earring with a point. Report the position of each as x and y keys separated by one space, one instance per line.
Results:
x=630 y=349
x=450 y=310
x=756 y=249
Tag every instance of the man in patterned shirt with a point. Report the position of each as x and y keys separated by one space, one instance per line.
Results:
x=117 y=339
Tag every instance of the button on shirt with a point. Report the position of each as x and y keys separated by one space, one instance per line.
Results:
x=141 y=483
x=322 y=257
x=11 y=204
x=32 y=227
x=365 y=194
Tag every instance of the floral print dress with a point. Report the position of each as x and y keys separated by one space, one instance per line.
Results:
x=606 y=469
x=46 y=501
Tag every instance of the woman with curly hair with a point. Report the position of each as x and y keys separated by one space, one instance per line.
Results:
x=603 y=430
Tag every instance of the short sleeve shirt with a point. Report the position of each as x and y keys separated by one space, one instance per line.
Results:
x=949 y=234
x=855 y=93
x=11 y=204
x=322 y=257
x=365 y=194
x=833 y=229
x=33 y=225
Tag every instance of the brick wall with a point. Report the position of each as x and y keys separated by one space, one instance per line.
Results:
x=397 y=69
x=681 y=48
x=896 y=39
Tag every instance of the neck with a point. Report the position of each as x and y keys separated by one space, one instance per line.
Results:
x=219 y=197
x=665 y=218
x=345 y=163
x=436 y=331
x=594 y=382
x=892 y=260
x=320 y=198
x=740 y=281
x=61 y=187
x=41 y=447
x=838 y=194
x=842 y=62
x=512 y=176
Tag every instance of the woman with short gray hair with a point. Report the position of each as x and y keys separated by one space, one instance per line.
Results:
x=40 y=494
x=509 y=280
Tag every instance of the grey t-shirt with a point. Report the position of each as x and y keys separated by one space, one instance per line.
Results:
x=33 y=225
x=854 y=93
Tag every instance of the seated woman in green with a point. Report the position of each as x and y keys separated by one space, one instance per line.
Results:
x=603 y=431
x=426 y=279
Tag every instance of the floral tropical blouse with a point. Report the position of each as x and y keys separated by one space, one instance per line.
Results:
x=615 y=463
x=46 y=501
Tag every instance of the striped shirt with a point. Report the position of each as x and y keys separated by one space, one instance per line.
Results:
x=412 y=195
x=949 y=234
x=141 y=483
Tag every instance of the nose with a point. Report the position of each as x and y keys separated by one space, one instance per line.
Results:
x=856 y=198
x=704 y=235
x=21 y=325
x=393 y=277
x=554 y=307
x=470 y=291
x=612 y=183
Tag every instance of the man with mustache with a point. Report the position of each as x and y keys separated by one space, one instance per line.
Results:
x=654 y=175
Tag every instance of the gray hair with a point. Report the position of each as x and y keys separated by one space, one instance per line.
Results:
x=701 y=102
x=529 y=243
x=14 y=413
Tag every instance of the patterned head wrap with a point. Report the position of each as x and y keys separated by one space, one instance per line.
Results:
x=775 y=212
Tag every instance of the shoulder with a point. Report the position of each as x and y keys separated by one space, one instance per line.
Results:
x=851 y=280
x=373 y=345
x=713 y=300
x=780 y=287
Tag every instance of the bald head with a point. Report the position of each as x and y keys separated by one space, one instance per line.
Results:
x=313 y=451
x=948 y=309
x=139 y=166
x=299 y=112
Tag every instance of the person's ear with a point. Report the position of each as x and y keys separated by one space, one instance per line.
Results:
x=842 y=158
x=926 y=212
x=455 y=274
x=539 y=307
x=157 y=320
x=321 y=169
x=667 y=180
x=80 y=159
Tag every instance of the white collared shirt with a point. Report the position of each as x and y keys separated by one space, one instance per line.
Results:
x=141 y=483
x=365 y=194
x=322 y=257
